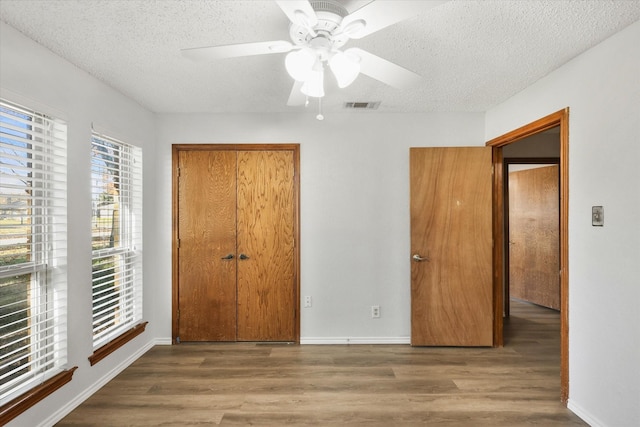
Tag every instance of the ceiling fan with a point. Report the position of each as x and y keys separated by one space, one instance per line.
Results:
x=318 y=31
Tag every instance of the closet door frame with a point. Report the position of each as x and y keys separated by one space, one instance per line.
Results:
x=176 y=149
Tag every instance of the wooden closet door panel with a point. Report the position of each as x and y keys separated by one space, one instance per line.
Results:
x=207 y=233
x=266 y=280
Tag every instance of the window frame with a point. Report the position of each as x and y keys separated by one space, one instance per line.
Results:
x=34 y=144
x=128 y=255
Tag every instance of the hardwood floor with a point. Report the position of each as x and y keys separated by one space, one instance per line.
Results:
x=373 y=385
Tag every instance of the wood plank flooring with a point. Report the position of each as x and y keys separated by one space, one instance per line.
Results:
x=373 y=385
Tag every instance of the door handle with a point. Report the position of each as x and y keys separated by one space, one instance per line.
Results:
x=243 y=256
x=230 y=256
x=418 y=258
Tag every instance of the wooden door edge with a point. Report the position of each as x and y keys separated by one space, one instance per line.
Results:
x=498 y=246
x=175 y=150
x=559 y=118
x=296 y=235
x=175 y=304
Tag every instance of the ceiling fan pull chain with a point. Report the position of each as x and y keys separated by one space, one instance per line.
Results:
x=320 y=116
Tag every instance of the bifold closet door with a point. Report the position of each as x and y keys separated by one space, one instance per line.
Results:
x=236 y=245
x=265 y=227
x=207 y=236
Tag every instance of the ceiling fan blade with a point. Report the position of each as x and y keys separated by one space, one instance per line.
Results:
x=297 y=98
x=297 y=10
x=380 y=14
x=383 y=70
x=236 y=50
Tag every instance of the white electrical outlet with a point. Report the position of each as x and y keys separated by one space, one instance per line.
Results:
x=375 y=311
x=307 y=301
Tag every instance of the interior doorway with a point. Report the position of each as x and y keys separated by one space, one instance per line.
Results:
x=532 y=224
x=559 y=119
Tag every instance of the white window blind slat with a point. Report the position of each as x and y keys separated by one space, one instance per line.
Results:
x=24 y=156
x=45 y=327
x=105 y=298
x=106 y=301
x=102 y=323
x=42 y=129
x=30 y=360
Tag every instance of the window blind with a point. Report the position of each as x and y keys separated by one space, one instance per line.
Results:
x=116 y=176
x=33 y=249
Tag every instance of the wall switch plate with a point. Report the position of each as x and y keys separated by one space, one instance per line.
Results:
x=597 y=216
x=375 y=311
x=307 y=301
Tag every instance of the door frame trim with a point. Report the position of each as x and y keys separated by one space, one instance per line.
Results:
x=175 y=150
x=559 y=118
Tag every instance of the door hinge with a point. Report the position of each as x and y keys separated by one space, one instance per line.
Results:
x=178 y=243
x=178 y=314
x=178 y=172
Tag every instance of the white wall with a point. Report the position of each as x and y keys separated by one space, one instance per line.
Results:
x=35 y=77
x=354 y=208
x=602 y=89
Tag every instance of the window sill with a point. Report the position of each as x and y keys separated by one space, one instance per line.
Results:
x=17 y=406
x=116 y=343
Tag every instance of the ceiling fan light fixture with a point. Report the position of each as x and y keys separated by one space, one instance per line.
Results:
x=299 y=64
x=314 y=84
x=345 y=67
x=318 y=30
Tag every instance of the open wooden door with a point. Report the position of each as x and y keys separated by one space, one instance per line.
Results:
x=451 y=246
x=534 y=236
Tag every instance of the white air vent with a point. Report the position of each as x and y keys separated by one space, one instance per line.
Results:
x=362 y=105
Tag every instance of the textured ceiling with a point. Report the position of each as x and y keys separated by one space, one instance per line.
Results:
x=472 y=55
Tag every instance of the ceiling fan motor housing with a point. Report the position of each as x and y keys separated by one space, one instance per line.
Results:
x=329 y=14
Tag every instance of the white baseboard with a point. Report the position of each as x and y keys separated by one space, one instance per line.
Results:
x=584 y=414
x=88 y=392
x=162 y=341
x=355 y=340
